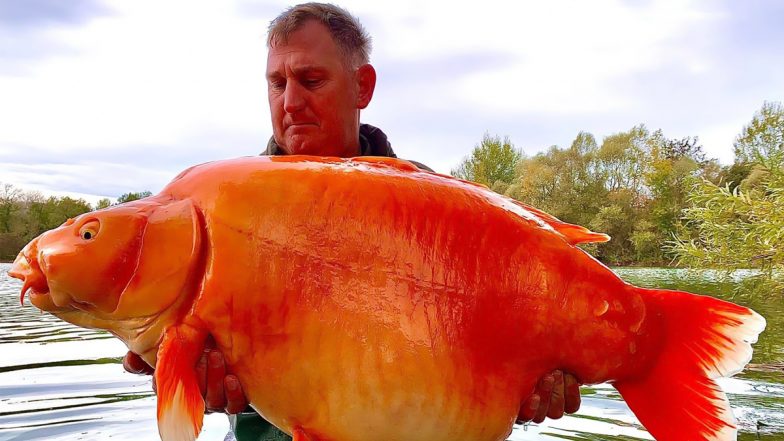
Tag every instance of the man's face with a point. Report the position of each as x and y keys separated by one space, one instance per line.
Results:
x=314 y=97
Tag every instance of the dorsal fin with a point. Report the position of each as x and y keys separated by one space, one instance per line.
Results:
x=574 y=234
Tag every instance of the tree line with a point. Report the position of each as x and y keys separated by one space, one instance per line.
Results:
x=24 y=215
x=660 y=199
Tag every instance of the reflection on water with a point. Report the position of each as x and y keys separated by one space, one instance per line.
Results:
x=61 y=382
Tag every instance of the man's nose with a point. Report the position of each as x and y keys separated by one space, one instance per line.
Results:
x=293 y=97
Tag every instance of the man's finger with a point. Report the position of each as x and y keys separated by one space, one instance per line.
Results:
x=528 y=408
x=201 y=373
x=556 y=409
x=545 y=391
x=135 y=365
x=216 y=371
x=235 y=397
x=571 y=394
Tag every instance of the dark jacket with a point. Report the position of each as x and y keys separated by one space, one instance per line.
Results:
x=372 y=142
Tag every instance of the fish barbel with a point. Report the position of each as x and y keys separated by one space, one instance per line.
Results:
x=364 y=299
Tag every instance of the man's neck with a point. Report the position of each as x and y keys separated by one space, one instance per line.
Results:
x=351 y=151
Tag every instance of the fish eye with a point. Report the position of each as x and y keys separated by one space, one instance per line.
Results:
x=89 y=230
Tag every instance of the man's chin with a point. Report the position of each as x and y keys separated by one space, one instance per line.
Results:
x=307 y=147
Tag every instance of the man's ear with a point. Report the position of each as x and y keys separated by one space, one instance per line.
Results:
x=366 y=79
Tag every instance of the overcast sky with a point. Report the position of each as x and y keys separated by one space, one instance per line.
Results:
x=103 y=97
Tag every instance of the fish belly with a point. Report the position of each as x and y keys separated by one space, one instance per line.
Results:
x=326 y=378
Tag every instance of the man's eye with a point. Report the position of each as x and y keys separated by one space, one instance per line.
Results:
x=277 y=85
x=313 y=82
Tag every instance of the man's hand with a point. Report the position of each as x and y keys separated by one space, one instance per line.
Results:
x=555 y=394
x=135 y=365
x=221 y=391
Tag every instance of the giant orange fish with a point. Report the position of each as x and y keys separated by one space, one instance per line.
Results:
x=364 y=299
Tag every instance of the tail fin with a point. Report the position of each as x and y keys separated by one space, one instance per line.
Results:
x=703 y=338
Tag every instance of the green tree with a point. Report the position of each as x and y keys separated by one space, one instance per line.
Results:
x=646 y=240
x=762 y=141
x=9 y=205
x=127 y=197
x=30 y=215
x=621 y=160
x=589 y=185
x=535 y=184
x=52 y=212
x=617 y=218
x=674 y=166
x=492 y=161
x=734 y=175
x=742 y=226
x=561 y=181
x=11 y=241
x=103 y=203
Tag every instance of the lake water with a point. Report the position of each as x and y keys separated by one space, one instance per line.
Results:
x=60 y=382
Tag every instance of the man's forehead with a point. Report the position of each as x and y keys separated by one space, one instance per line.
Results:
x=280 y=70
x=298 y=62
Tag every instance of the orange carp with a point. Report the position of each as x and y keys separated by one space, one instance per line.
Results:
x=363 y=299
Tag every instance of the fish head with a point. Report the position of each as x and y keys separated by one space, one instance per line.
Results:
x=110 y=266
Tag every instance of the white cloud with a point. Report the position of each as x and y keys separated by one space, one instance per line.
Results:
x=81 y=178
x=132 y=97
x=152 y=73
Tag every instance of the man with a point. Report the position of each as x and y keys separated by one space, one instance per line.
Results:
x=318 y=79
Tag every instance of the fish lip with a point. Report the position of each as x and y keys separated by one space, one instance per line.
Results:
x=34 y=294
x=27 y=269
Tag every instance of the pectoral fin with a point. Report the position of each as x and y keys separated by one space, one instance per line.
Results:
x=180 y=404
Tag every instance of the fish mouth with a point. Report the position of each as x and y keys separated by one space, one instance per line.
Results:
x=26 y=269
x=36 y=287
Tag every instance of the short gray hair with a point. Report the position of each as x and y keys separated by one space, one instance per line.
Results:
x=346 y=30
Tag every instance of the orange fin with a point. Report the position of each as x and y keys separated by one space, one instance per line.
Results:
x=574 y=234
x=703 y=338
x=180 y=404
